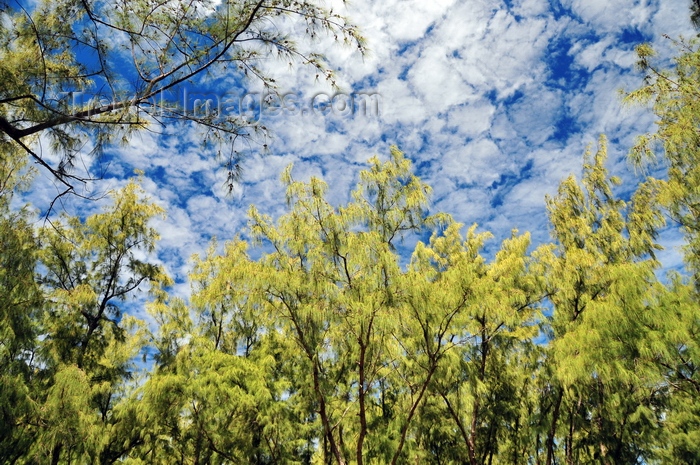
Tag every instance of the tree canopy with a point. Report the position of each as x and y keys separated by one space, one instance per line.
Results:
x=327 y=349
x=104 y=69
x=313 y=338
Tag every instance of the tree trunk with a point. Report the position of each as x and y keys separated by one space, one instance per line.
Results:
x=361 y=398
x=553 y=429
x=56 y=454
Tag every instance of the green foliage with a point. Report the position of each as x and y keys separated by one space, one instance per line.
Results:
x=67 y=349
x=675 y=348
x=90 y=266
x=20 y=311
x=673 y=344
x=674 y=97
x=313 y=340
x=602 y=286
x=80 y=69
x=485 y=315
x=336 y=351
x=326 y=349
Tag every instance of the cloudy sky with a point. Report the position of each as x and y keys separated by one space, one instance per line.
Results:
x=494 y=101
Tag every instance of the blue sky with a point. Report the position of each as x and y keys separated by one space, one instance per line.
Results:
x=493 y=101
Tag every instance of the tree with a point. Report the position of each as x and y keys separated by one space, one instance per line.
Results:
x=327 y=351
x=21 y=304
x=486 y=315
x=320 y=317
x=677 y=353
x=131 y=57
x=674 y=97
x=77 y=354
x=603 y=400
x=222 y=389
x=674 y=94
x=91 y=265
x=333 y=281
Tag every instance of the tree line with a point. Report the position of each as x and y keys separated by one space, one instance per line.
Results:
x=315 y=341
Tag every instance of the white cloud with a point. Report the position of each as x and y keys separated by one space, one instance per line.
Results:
x=472 y=119
x=409 y=19
x=610 y=15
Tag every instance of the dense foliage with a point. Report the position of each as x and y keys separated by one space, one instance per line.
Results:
x=330 y=346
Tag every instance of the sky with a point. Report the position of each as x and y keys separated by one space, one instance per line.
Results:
x=493 y=101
